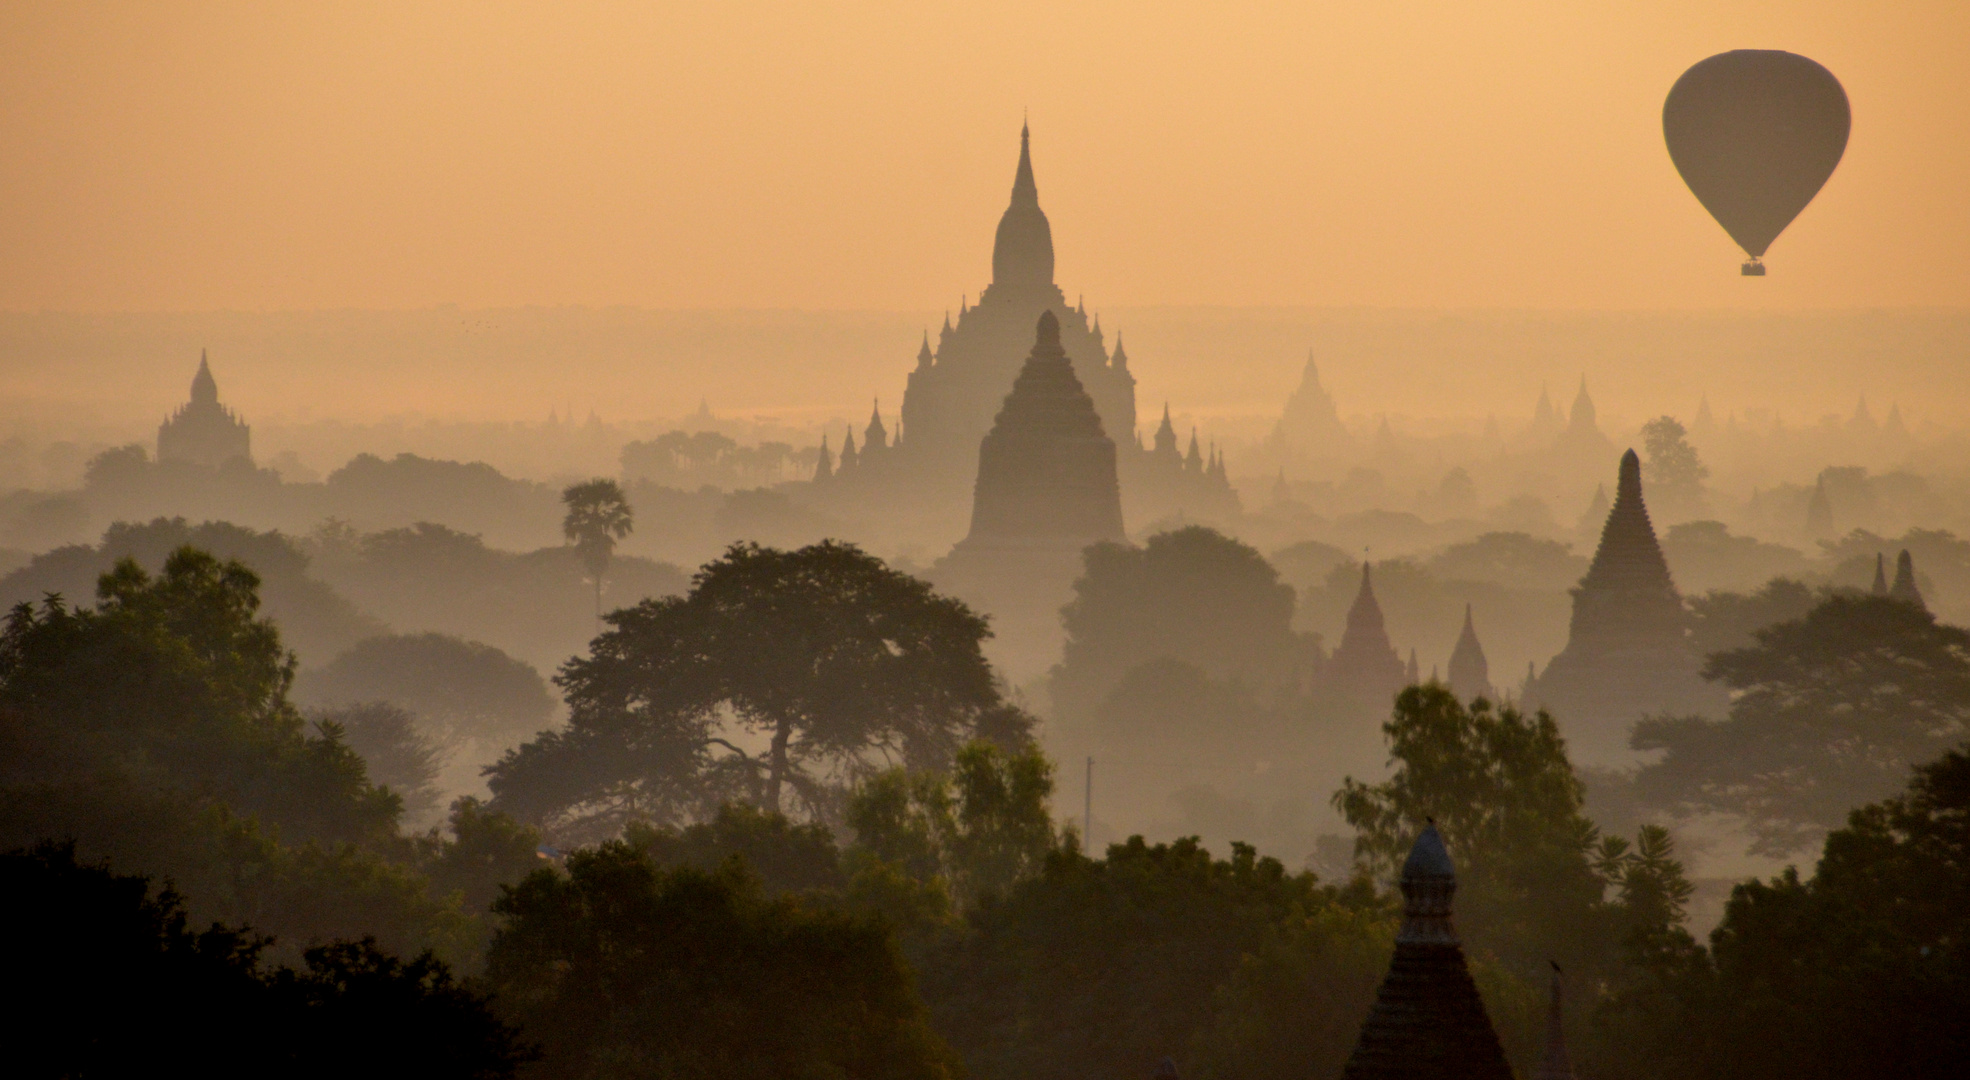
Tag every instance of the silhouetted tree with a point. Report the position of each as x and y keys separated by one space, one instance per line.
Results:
x=598 y=516
x=156 y=730
x=1722 y=621
x=832 y=658
x=973 y=832
x=122 y=986
x=1103 y=967
x=787 y=857
x=395 y=755
x=1500 y=789
x=459 y=689
x=1193 y=595
x=1675 y=473
x=1827 y=711
x=1860 y=970
x=619 y=966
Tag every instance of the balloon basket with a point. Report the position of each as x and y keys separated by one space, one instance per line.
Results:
x=1752 y=268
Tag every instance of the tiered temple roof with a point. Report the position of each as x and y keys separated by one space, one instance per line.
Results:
x=1627 y=653
x=1365 y=665
x=1428 y=1020
x=1047 y=470
x=1470 y=673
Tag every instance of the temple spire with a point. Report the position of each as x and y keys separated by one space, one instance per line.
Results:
x=1880 y=575
x=1555 y=1065
x=1470 y=672
x=205 y=389
x=1904 y=587
x=1428 y=1019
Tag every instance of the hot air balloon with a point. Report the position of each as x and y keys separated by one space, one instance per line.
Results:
x=1755 y=133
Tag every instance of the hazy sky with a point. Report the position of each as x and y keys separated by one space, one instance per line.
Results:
x=159 y=156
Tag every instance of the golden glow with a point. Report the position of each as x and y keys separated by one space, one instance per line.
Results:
x=855 y=155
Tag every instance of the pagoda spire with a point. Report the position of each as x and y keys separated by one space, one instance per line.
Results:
x=1904 y=587
x=1880 y=575
x=1555 y=1065
x=1470 y=673
x=1428 y=1019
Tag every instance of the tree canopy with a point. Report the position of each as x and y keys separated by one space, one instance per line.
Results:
x=458 y=689
x=121 y=985
x=1193 y=595
x=834 y=662
x=620 y=967
x=1828 y=711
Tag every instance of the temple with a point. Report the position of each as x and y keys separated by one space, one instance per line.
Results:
x=1365 y=665
x=1904 y=587
x=954 y=391
x=1627 y=653
x=204 y=432
x=1046 y=489
x=1470 y=673
x=1427 y=1020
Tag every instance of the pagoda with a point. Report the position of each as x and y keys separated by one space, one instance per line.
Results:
x=1365 y=665
x=202 y=431
x=1470 y=673
x=1428 y=1020
x=1046 y=489
x=1627 y=652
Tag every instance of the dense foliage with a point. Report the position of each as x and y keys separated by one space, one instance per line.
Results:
x=824 y=654
x=1828 y=711
x=1860 y=970
x=621 y=968
x=119 y=984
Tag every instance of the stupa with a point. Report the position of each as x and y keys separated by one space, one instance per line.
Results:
x=1046 y=489
x=1365 y=665
x=1428 y=1020
x=202 y=431
x=1470 y=673
x=1627 y=652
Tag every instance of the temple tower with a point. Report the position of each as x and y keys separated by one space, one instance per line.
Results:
x=1365 y=665
x=1046 y=471
x=1046 y=489
x=1904 y=587
x=953 y=394
x=1470 y=673
x=1554 y=1064
x=204 y=432
x=1627 y=652
x=1428 y=1020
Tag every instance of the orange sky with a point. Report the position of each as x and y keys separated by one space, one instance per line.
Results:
x=259 y=156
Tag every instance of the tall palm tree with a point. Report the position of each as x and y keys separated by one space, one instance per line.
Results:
x=598 y=516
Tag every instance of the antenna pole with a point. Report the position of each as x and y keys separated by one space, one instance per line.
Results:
x=1087 y=808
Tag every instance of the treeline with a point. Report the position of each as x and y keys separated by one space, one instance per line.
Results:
x=914 y=912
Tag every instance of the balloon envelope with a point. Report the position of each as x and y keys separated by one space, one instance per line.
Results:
x=1755 y=133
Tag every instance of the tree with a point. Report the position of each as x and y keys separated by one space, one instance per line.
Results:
x=459 y=689
x=598 y=516
x=619 y=967
x=787 y=857
x=1193 y=595
x=1860 y=970
x=155 y=730
x=836 y=662
x=394 y=754
x=1675 y=473
x=121 y=983
x=1827 y=711
x=1500 y=789
x=1103 y=967
x=974 y=832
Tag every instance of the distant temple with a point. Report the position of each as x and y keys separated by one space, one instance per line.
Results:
x=204 y=432
x=1626 y=653
x=1470 y=673
x=955 y=389
x=1428 y=1020
x=1365 y=665
x=1904 y=587
x=1046 y=489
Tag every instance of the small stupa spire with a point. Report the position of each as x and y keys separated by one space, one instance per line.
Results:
x=1880 y=575
x=1554 y=1064
x=1904 y=587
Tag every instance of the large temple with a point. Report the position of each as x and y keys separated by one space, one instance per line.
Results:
x=1046 y=489
x=955 y=390
x=1628 y=652
x=204 y=432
